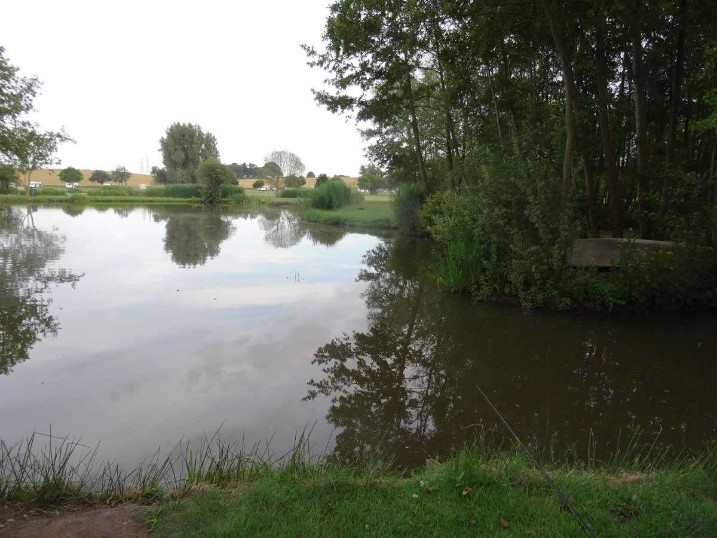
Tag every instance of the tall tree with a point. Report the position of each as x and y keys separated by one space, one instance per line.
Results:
x=183 y=147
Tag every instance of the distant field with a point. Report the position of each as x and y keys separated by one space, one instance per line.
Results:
x=247 y=183
x=50 y=178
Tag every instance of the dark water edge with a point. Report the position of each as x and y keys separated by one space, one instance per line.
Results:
x=583 y=384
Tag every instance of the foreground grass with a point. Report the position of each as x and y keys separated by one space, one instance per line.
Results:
x=220 y=488
x=374 y=212
x=470 y=495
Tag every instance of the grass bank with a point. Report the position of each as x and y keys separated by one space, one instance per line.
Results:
x=218 y=488
x=469 y=495
x=374 y=212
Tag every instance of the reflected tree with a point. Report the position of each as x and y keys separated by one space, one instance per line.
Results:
x=25 y=278
x=406 y=385
x=282 y=229
x=192 y=238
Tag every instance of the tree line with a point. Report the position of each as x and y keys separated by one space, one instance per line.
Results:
x=555 y=119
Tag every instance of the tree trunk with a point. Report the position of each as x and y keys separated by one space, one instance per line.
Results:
x=675 y=98
x=570 y=105
x=713 y=184
x=416 y=135
x=605 y=131
x=676 y=85
x=640 y=119
x=571 y=125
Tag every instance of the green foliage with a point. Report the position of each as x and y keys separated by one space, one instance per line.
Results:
x=293 y=193
x=79 y=198
x=99 y=176
x=323 y=178
x=113 y=191
x=330 y=195
x=407 y=203
x=183 y=147
x=294 y=182
x=215 y=178
x=174 y=190
x=236 y=194
x=258 y=184
x=679 y=278
x=371 y=178
x=71 y=175
x=8 y=178
x=51 y=191
x=160 y=176
x=310 y=175
x=120 y=175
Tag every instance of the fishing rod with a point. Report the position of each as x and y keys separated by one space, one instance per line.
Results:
x=539 y=467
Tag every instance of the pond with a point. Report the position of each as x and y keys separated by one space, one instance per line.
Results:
x=137 y=327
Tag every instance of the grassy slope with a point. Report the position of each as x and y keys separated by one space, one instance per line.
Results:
x=502 y=496
x=374 y=212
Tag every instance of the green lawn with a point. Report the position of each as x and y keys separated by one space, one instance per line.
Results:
x=374 y=212
x=467 y=496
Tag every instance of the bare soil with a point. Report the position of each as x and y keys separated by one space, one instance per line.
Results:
x=122 y=521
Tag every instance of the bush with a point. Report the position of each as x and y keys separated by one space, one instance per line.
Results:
x=79 y=198
x=111 y=191
x=175 y=190
x=51 y=191
x=407 y=203
x=330 y=195
x=258 y=184
x=215 y=178
x=294 y=182
x=236 y=194
x=293 y=193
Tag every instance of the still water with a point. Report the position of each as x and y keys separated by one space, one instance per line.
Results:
x=135 y=328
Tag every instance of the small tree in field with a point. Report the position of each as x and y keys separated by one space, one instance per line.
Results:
x=120 y=175
x=271 y=170
x=71 y=175
x=215 y=176
x=99 y=176
x=258 y=184
x=323 y=178
x=310 y=175
x=294 y=182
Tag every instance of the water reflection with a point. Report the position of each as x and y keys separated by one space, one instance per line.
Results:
x=25 y=253
x=192 y=238
x=406 y=385
x=284 y=229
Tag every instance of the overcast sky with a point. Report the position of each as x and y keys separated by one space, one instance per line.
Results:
x=117 y=74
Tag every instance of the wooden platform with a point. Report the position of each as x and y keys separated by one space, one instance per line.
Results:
x=606 y=252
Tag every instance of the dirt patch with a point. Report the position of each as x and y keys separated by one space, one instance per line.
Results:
x=115 y=522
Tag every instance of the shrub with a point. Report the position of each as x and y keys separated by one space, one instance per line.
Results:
x=293 y=193
x=258 y=184
x=236 y=194
x=175 y=190
x=50 y=191
x=215 y=178
x=79 y=198
x=407 y=203
x=330 y=195
x=294 y=182
x=111 y=191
